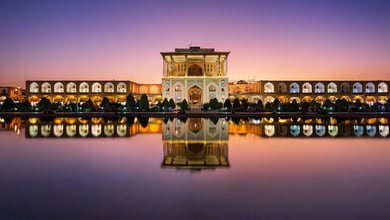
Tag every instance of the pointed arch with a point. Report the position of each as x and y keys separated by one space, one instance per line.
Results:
x=58 y=87
x=382 y=87
x=370 y=87
x=83 y=87
x=269 y=88
x=307 y=88
x=332 y=88
x=294 y=88
x=282 y=88
x=46 y=87
x=96 y=87
x=319 y=88
x=357 y=88
x=34 y=87
x=109 y=87
x=71 y=87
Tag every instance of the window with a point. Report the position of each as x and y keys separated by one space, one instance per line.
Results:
x=307 y=88
x=294 y=88
x=332 y=87
x=357 y=88
x=269 y=88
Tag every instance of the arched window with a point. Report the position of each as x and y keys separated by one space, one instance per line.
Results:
x=109 y=87
x=307 y=88
x=46 y=87
x=370 y=87
x=84 y=87
x=121 y=87
x=357 y=88
x=332 y=87
x=344 y=88
x=282 y=88
x=294 y=88
x=178 y=93
x=212 y=92
x=34 y=87
x=71 y=87
x=58 y=87
x=382 y=87
x=96 y=87
x=269 y=88
x=319 y=88
x=143 y=89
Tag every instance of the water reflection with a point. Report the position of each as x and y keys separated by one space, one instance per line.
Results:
x=325 y=130
x=195 y=143
x=95 y=127
x=191 y=129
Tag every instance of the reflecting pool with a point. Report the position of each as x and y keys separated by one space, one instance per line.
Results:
x=195 y=168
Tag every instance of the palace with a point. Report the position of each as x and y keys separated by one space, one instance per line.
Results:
x=195 y=74
x=198 y=75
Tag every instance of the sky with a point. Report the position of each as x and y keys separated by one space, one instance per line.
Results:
x=122 y=40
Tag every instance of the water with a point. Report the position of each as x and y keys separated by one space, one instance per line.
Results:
x=192 y=169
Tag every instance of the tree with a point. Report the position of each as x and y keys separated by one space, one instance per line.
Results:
x=260 y=106
x=165 y=105
x=236 y=104
x=44 y=105
x=130 y=103
x=184 y=105
x=276 y=105
x=294 y=106
x=227 y=104
x=106 y=104
x=172 y=104
x=26 y=106
x=8 y=104
x=88 y=105
x=214 y=104
x=143 y=103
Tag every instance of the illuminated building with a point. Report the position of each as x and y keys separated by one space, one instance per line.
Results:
x=15 y=93
x=285 y=91
x=195 y=74
x=67 y=91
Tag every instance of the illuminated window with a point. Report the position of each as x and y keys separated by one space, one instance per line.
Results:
x=34 y=87
x=294 y=88
x=71 y=87
x=319 y=88
x=370 y=87
x=382 y=87
x=307 y=88
x=332 y=87
x=269 y=88
x=58 y=87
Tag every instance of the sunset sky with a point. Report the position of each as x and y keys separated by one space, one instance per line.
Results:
x=122 y=40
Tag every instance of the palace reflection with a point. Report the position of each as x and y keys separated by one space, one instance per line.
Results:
x=195 y=143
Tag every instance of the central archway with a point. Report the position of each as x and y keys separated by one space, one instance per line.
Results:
x=195 y=96
x=195 y=70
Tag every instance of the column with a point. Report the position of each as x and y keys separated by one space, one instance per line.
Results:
x=186 y=73
x=204 y=65
x=219 y=65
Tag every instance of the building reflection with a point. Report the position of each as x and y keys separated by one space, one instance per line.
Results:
x=94 y=127
x=11 y=124
x=325 y=130
x=195 y=143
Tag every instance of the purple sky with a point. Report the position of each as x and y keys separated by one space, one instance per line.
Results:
x=290 y=39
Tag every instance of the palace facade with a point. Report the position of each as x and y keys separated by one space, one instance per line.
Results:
x=195 y=74
x=66 y=91
x=200 y=74
x=286 y=91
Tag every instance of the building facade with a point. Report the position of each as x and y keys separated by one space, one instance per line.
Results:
x=285 y=91
x=67 y=91
x=195 y=74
